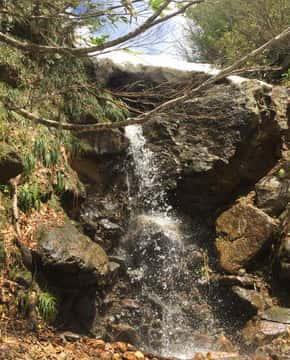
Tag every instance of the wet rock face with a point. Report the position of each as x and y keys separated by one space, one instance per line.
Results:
x=71 y=259
x=163 y=271
x=214 y=145
x=109 y=142
x=104 y=218
x=242 y=232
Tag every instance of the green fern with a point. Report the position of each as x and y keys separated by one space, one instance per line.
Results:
x=29 y=162
x=47 y=306
x=60 y=182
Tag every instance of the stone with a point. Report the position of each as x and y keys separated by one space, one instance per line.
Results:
x=284 y=250
x=103 y=217
x=206 y=158
x=109 y=142
x=247 y=281
x=11 y=164
x=277 y=314
x=258 y=300
x=105 y=143
x=258 y=332
x=243 y=231
x=70 y=336
x=125 y=333
x=71 y=259
x=114 y=269
x=218 y=142
x=273 y=190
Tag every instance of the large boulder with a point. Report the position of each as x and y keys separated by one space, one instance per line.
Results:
x=70 y=259
x=243 y=231
x=210 y=147
x=219 y=144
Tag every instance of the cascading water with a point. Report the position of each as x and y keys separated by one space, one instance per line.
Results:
x=157 y=256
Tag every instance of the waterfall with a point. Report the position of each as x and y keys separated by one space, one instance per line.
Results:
x=150 y=191
x=157 y=254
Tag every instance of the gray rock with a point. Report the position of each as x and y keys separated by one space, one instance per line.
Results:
x=217 y=142
x=259 y=332
x=257 y=300
x=70 y=336
x=70 y=258
x=105 y=143
x=104 y=217
x=211 y=153
x=273 y=190
x=277 y=314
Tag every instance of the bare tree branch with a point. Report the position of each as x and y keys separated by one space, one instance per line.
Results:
x=142 y=118
x=152 y=21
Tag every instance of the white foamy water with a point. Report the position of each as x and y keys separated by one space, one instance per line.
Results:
x=150 y=191
x=160 y=223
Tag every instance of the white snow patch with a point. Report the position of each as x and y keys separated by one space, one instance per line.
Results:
x=133 y=62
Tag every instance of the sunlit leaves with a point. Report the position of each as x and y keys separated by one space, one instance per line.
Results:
x=156 y=4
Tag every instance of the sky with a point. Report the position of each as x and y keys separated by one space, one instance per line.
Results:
x=160 y=40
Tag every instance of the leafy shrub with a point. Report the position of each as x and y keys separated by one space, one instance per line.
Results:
x=226 y=30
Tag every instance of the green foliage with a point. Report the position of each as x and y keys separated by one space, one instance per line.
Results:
x=46 y=151
x=156 y=4
x=227 y=30
x=47 y=306
x=29 y=162
x=60 y=182
x=29 y=197
x=4 y=189
x=99 y=39
x=61 y=87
